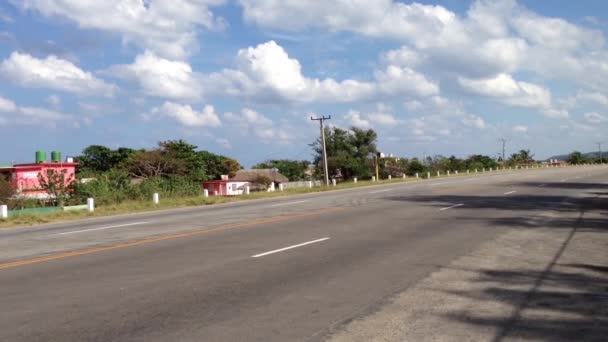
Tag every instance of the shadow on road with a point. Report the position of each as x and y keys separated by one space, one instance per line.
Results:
x=563 y=302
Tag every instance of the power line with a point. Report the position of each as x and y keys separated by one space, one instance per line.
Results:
x=321 y=120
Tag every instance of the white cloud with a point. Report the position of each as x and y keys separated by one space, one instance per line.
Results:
x=267 y=73
x=187 y=116
x=517 y=93
x=254 y=123
x=53 y=100
x=520 y=129
x=53 y=73
x=160 y=77
x=12 y=113
x=383 y=119
x=593 y=117
x=166 y=27
x=354 y=118
x=403 y=57
x=473 y=121
x=7 y=106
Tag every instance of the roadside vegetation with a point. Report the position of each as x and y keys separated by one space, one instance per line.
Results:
x=123 y=180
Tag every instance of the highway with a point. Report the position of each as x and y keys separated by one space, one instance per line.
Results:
x=284 y=269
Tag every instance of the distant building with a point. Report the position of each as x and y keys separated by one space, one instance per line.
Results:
x=236 y=185
x=24 y=177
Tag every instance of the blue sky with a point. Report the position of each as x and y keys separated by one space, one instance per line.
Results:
x=242 y=78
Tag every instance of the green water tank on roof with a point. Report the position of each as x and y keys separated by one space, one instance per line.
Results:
x=40 y=157
x=56 y=157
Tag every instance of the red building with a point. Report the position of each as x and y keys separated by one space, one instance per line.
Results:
x=24 y=177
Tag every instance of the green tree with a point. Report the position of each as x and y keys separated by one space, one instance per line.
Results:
x=294 y=170
x=57 y=184
x=576 y=157
x=6 y=189
x=415 y=166
x=97 y=159
x=348 y=152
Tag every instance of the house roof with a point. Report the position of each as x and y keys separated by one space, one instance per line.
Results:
x=250 y=175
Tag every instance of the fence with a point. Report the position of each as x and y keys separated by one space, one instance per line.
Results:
x=300 y=184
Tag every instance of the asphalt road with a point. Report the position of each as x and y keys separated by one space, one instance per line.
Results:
x=286 y=269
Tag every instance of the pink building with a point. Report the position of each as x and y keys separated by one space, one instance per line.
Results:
x=24 y=177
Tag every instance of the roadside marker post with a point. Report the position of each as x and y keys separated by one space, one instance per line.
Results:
x=456 y=172
x=247 y=190
x=205 y=193
x=155 y=198
x=390 y=177
x=404 y=176
x=3 y=212
x=468 y=171
x=333 y=182
x=448 y=173
x=309 y=184
x=281 y=188
x=90 y=205
x=355 y=180
x=417 y=175
x=373 y=178
x=428 y=175
x=438 y=174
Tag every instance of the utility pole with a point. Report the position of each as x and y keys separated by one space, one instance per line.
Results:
x=599 y=147
x=321 y=120
x=504 y=142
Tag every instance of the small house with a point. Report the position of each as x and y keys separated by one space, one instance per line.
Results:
x=236 y=185
x=24 y=177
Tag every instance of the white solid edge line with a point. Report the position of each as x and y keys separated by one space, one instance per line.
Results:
x=510 y=192
x=288 y=203
x=102 y=228
x=452 y=206
x=290 y=247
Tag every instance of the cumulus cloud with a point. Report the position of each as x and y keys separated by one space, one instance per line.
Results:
x=354 y=118
x=167 y=27
x=268 y=74
x=160 y=77
x=185 y=115
x=493 y=37
x=251 y=122
x=52 y=73
x=516 y=93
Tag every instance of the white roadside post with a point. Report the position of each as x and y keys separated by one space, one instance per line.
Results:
x=468 y=171
x=390 y=177
x=309 y=184
x=456 y=172
x=247 y=190
x=355 y=180
x=428 y=175
x=417 y=176
x=404 y=176
x=438 y=174
x=373 y=178
x=333 y=182
x=483 y=170
x=205 y=193
x=475 y=170
x=448 y=173
x=90 y=205
x=3 y=212
x=281 y=188
x=155 y=198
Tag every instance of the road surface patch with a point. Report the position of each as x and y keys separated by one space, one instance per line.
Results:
x=510 y=192
x=63 y=255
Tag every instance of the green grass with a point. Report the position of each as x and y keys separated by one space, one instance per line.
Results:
x=128 y=207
